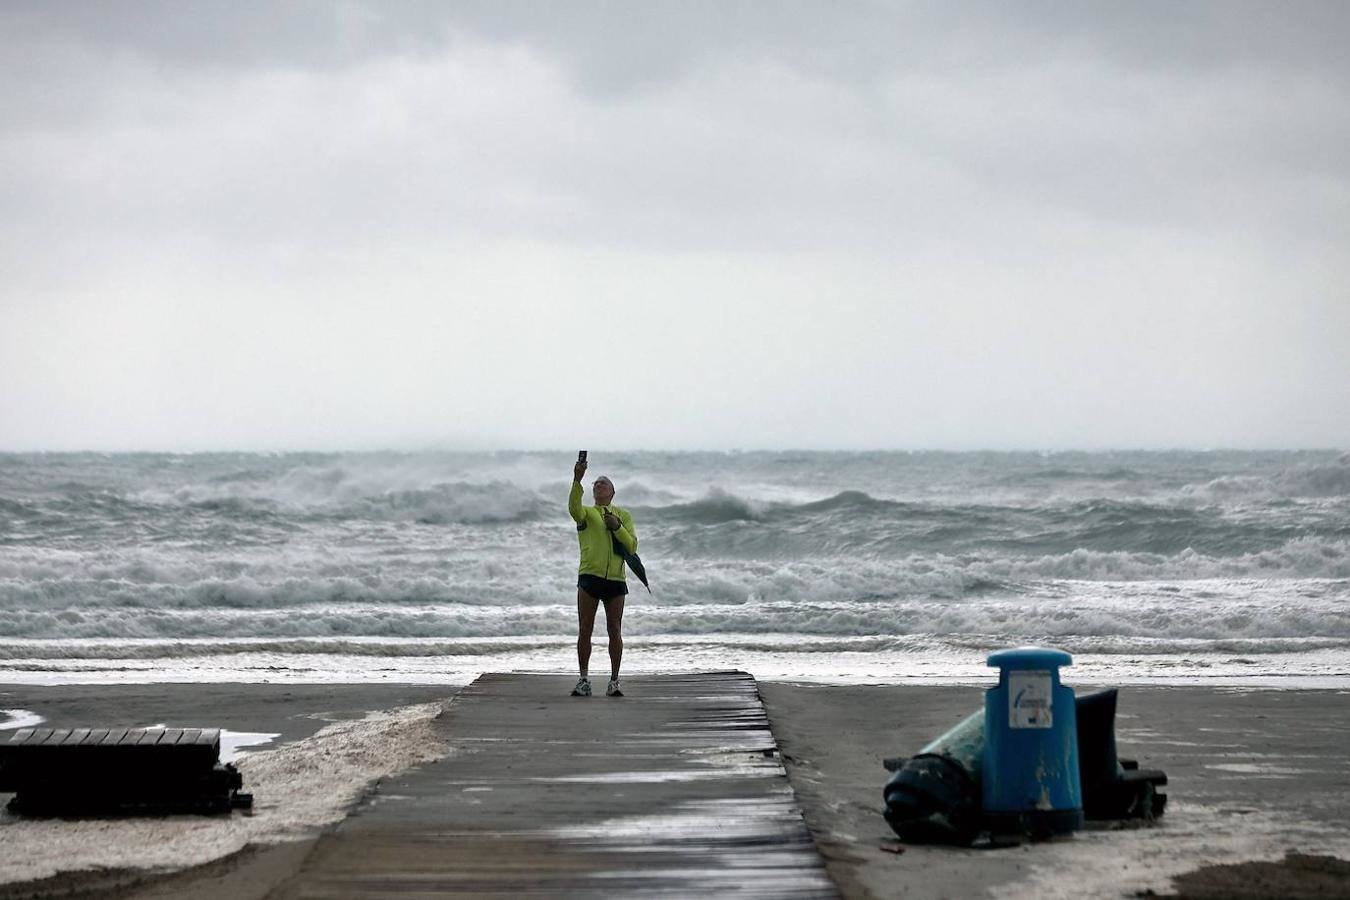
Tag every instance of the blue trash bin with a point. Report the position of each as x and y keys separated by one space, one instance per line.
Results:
x=1031 y=782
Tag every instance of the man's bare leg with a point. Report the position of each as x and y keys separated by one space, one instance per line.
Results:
x=586 y=606
x=614 y=624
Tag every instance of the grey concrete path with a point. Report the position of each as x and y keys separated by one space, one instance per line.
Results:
x=674 y=790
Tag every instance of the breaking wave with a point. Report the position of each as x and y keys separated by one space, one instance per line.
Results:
x=457 y=554
x=1307 y=481
x=55 y=580
x=1242 y=611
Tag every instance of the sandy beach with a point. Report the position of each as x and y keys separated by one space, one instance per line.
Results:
x=328 y=745
x=1255 y=775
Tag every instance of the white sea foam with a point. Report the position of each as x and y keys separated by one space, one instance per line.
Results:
x=1015 y=618
x=770 y=657
x=547 y=646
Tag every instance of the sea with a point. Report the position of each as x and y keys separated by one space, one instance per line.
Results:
x=1224 y=568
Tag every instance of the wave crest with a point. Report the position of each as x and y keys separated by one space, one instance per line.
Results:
x=715 y=508
x=1327 y=480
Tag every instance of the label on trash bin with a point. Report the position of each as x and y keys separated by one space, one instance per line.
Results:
x=1029 y=699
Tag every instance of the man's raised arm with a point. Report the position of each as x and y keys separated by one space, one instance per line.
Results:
x=574 y=507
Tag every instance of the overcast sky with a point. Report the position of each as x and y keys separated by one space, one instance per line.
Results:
x=674 y=225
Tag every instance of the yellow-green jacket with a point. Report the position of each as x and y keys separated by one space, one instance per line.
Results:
x=597 y=550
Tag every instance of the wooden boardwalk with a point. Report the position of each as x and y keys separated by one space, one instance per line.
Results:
x=674 y=790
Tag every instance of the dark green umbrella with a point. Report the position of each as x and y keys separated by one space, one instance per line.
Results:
x=634 y=562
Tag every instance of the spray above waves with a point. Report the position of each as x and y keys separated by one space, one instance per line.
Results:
x=724 y=525
x=1328 y=480
x=858 y=504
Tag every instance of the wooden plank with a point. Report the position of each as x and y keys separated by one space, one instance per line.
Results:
x=192 y=740
x=56 y=737
x=666 y=791
x=76 y=737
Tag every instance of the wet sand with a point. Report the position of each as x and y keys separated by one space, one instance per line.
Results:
x=1255 y=775
x=293 y=711
x=334 y=742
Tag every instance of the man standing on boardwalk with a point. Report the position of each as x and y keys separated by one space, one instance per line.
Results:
x=602 y=577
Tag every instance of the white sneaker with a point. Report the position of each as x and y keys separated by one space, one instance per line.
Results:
x=613 y=689
x=583 y=688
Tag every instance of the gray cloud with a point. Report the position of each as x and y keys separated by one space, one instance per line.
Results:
x=819 y=224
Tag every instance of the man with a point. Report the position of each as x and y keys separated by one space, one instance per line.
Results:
x=602 y=575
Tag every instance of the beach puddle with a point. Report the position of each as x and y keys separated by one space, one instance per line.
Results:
x=655 y=777
x=1257 y=769
x=19 y=718
x=231 y=742
x=711 y=846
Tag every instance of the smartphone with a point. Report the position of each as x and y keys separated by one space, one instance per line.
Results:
x=581 y=456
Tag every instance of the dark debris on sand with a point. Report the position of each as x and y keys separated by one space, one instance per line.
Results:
x=1299 y=876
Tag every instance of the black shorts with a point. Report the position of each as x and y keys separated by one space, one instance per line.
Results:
x=602 y=588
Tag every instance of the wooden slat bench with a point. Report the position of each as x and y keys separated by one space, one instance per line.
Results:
x=70 y=771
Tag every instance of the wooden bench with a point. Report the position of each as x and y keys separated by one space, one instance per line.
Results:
x=71 y=771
